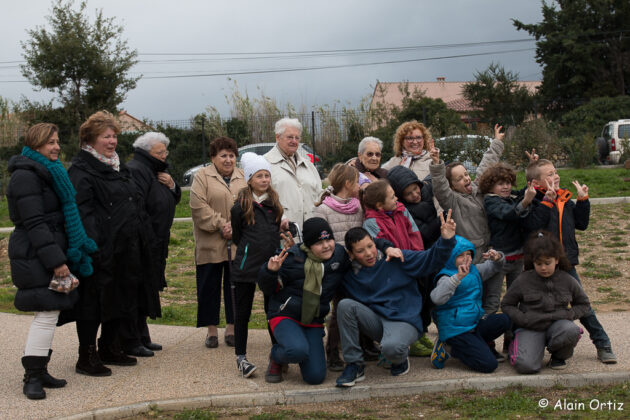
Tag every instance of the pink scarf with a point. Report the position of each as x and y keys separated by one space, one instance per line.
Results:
x=341 y=205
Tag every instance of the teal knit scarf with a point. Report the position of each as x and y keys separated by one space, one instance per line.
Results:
x=79 y=244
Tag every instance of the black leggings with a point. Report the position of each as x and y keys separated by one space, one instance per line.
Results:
x=244 y=299
x=87 y=330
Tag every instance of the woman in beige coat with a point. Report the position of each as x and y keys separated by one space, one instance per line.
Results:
x=412 y=143
x=212 y=195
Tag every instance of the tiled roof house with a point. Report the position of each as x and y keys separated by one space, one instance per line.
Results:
x=389 y=93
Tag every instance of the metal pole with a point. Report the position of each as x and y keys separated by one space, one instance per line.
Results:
x=203 y=140
x=313 y=133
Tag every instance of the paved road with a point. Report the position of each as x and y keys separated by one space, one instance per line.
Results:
x=186 y=374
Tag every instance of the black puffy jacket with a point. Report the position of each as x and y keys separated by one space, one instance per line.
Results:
x=159 y=204
x=255 y=243
x=38 y=244
x=423 y=213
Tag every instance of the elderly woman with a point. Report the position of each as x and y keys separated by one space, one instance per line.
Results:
x=368 y=161
x=412 y=143
x=294 y=178
x=121 y=285
x=47 y=227
x=212 y=195
x=161 y=194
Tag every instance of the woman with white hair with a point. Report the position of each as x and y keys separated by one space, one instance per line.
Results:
x=368 y=162
x=161 y=194
x=294 y=178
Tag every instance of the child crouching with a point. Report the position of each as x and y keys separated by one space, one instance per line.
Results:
x=538 y=304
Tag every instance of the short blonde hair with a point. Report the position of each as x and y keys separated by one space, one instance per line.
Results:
x=95 y=125
x=38 y=135
x=405 y=129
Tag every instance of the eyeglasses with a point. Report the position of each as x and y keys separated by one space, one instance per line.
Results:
x=371 y=154
x=296 y=138
x=161 y=153
x=412 y=139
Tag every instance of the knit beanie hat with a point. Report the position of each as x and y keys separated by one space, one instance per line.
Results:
x=316 y=229
x=252 y=163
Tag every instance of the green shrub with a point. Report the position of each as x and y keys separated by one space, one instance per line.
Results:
x=581 y=151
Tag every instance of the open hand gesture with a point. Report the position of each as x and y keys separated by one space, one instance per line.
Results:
x=392 y=252
x=448 y=226
x=463 y=270
x=533 y=156
x=497 y=132
x=435 y=155
x=276 y=261
x=288 y=239
x=582 y=189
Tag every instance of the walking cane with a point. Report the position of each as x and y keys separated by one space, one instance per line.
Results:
x=229 y=273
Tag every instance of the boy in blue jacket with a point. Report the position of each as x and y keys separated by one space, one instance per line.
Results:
x=383 y=299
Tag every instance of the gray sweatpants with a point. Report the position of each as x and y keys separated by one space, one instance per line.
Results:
x=527 y=350
x=395 y=336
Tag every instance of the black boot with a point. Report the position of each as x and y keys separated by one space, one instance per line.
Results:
x=113 y=354
x=50 y=381
x=90 y=364
x=33 y=382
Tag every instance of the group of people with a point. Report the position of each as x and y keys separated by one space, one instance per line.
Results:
x=393 y=247
x=104 y=222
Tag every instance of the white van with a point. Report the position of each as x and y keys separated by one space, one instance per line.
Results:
x=613 y=134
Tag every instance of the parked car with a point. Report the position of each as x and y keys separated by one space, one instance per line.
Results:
x=610 y=144
x=260 y=149
x=465 y=148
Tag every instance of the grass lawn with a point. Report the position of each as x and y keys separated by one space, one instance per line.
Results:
x=602 y=402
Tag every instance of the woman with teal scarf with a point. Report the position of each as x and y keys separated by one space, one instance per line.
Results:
x=49 y=239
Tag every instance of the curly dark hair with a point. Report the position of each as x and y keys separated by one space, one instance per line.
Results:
x=543 y=244
x=495 y=174
x=222 y=143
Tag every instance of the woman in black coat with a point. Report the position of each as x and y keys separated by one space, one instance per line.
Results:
x=41 y=202
x=111 y=210
x=161 y=194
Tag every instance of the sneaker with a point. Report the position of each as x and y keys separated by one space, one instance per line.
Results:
x=500 y=358
x=245 y=368
x=418 y=349
x=606 y=355
x=439 y=355
x=400 y=368
x=557 y=364
x=274 y=372
x=383 y=362
x=352 y=374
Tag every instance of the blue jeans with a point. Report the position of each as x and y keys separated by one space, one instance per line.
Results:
x=472 y=347
x=591 y=323
x=303 y=345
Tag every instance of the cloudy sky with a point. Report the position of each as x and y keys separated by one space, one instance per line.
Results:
x=357 y=43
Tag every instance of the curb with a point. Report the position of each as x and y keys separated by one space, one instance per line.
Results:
x=355 y=393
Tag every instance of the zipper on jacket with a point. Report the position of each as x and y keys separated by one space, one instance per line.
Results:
x=285 y=303
x=244 y=256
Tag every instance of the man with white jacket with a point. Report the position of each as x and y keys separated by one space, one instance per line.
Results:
x=294 y=178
